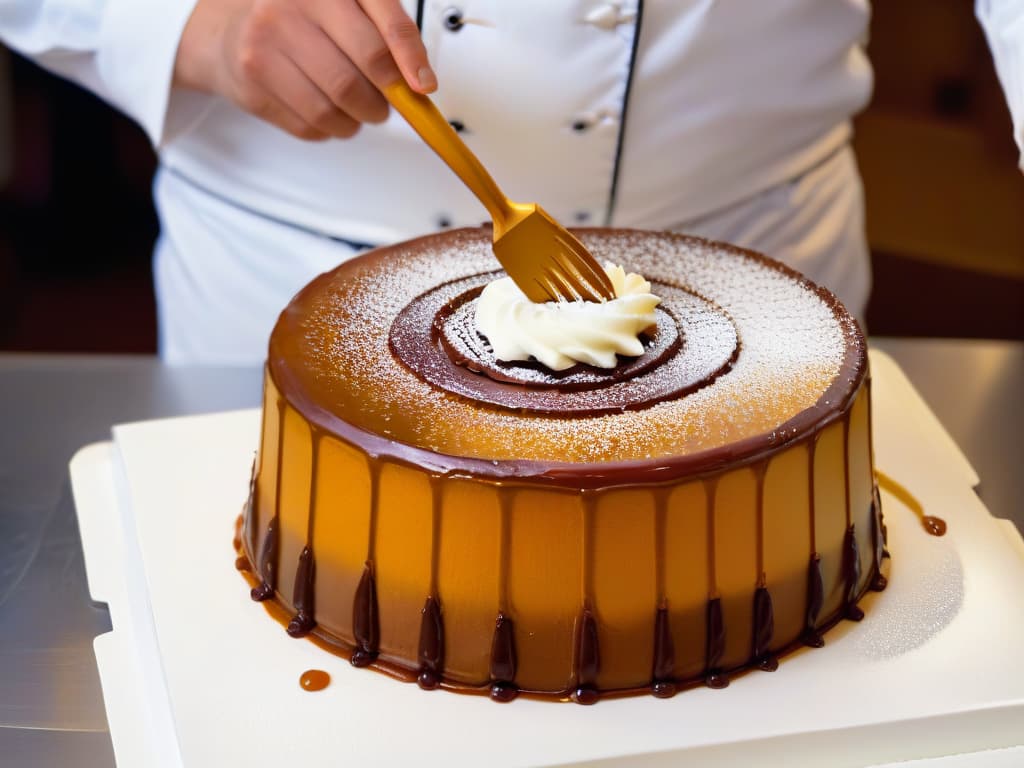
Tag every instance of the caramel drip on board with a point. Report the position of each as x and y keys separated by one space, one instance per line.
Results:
x=431 y=643
x=304 y=594
x=935 y=526
x=714 y=677
x=764 y=629
x=503 y=646
x=851 y=573
x=365 y=617
x=314 y=680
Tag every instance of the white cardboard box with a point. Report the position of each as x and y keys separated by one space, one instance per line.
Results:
x=195 y=674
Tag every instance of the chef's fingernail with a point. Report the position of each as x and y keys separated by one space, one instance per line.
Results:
x=427 y=78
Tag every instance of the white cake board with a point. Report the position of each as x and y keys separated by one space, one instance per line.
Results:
x=196 y=674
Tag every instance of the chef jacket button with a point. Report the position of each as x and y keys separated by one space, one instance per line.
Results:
x=582 y=216
x=443 y=222
x=452 y=19
x=580 y=125
x=458 y=125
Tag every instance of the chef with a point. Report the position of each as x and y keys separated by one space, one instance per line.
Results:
x=279 y=159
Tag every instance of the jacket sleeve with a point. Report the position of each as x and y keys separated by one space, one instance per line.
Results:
x=1003 y=22
x=122 y=50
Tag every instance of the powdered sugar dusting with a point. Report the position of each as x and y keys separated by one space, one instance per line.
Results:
x=791 y=350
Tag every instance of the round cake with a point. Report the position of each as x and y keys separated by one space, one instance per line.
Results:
x=425 y=508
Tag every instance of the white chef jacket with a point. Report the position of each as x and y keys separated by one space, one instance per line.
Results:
x=726 y=118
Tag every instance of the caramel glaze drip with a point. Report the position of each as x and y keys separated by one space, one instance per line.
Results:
x=663 y=685
x=431 y=648
x=764 y=629
x=714 y=677
x=851 y=573
x=588 y=659
x=314 y=680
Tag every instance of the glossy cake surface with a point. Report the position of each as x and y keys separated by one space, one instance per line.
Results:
x=496 y=527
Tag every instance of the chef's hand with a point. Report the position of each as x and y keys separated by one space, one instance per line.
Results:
x=312 y=67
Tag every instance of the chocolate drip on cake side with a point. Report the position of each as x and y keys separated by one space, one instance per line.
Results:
x=503 y=644
x=251 y=520
x=851 y=575
x=878 y=581
x=587 y=656
x=714 y=677
x=304 y=593
x=663 y=672
x=764 y=613
x=851 y=554
x=815 y=584
x=365 y=617
x=431 y=643
x=268 y=564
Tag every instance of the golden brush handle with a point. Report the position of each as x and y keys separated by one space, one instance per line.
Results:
x=420 y=112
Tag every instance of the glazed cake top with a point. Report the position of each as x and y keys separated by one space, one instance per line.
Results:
x=797 y=357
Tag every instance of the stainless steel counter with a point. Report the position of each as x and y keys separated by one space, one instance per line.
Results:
x=51 y=707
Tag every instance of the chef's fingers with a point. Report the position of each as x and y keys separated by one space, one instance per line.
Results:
x=301 y=95
x=265 y=105
x=403 y=40
x=333 y=71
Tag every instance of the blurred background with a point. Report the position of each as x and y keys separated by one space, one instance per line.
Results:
x=945 y=197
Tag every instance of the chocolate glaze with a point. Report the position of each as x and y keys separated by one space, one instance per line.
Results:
x=304 y=595
x=303 y=394
x=431 y=648
x=851 y=574
x=662 y=682
x=764 y=629
x=815 y=599
x=714 y=677
x=314 y=680
x=365 y=620
x=587 y=660
x=435 y=338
